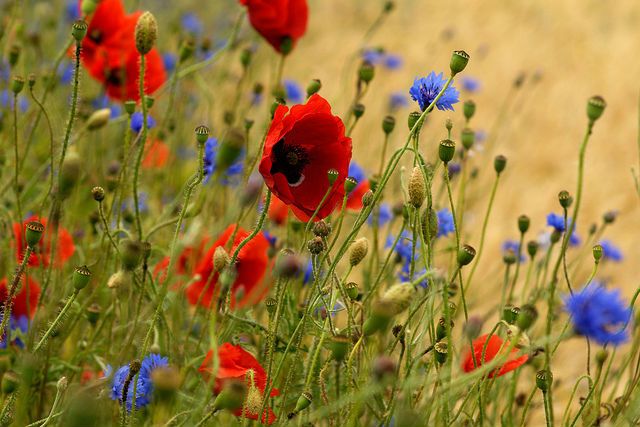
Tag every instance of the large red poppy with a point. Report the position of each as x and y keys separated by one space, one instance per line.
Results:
x=42 y=254
x=302 y=145
x=278 y=20
x=251 y=267
x=494 y=347
x=234 y=362
x=109 y=53
x=22 y=306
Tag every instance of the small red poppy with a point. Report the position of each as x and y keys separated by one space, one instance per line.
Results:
x=42 y=255
x=302 y=145
x=185 y=263
x=156 y=156
x=278 y=211
x=278 y=20
x=251 y=267
x=22 y=306
x=354 y=200
x=234 y=363
x=494 y=347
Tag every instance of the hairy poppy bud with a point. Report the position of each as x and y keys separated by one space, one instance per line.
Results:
x=81 y=276
x=221 y=259
x=17 y=84
x=565 y=199
x=459 y=61
x=595 y=108
x=14 y=54
x=598 y=251
x=388 y=124
x=532 y=248
x=466 y=255
x=367 y=198
x=473 y=327
x=69 y=174
x=146 y=33
x=544 y=379
x=467 y=137
x=315 y=245
x=523 y=223
x=202 y=134
x=314 y=87
x=31 y=80
x=33 y=233
x=230 y=149
x=119 y=279
x=186 y=49
x=499 y=163
x=359 y=250
x=601 y=356
x=62 y=384
x=441 y=350
x=526 y=317
x=366 y=72
x=79 y=30
x=447 y=150
x=99 y=118
x=469 y=109
x=130 y=254
x=417 y=187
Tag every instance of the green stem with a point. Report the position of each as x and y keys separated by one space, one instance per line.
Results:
x=141 y=142
x=58 y=319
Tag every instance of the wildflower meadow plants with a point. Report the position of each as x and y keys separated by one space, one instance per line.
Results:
x=201 y=241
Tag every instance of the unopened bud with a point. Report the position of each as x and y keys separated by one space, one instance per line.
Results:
x=359 y=250
x=221 y=259
x=146 y=33
x=417 y=187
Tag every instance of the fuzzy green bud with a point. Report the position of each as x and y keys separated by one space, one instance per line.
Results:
x=429 y=219
x=69 y=174
x=130 y=254
x=526 y=317
x=98 y=119
x=367 y=198
x=359 y=250
x=146 y=33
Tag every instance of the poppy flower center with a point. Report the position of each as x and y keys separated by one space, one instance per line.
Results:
x=289 y=160
x=115 y=76
x=96 y=36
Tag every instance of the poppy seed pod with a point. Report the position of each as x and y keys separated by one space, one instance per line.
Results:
x=245 y=57
x=304 y=401
x=130 y=107
x=441 y=328
x=352 y=290
x=523 y=223
x=417 y=187
x=466 y=255
x=467 y=137
x=366 y=72
x=10 y=382
x=441 y=350
x=413 y=118
x=186 y=49
x=146 y=33
x=526 y=317
x=388 y=124
x=359 y=250
x=33 y=234
x=510 y=313
x=271 y=304
x=565 y=199
x=81 y=277
x=595 y=108
x=31 y=80
x=339 y=347
x=469 y=109
x=314 y=87
x=79 y=30
x=130 y=254
x=350 y=184
x=544 y=380
x=202 y=134
x=14 y=54
x=532 y=248
x=459 y=61
x=446 y=150
x=609 y=217
x=99 y=119
x=332 y=176
x=17 y=84
x=358 y=110
x=509 y=257
x=598 y=251
x=93 y=313
x=499 y=163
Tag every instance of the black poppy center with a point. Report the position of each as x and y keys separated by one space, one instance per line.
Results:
x=96 y=36
x=289 y=160
x=115 y=76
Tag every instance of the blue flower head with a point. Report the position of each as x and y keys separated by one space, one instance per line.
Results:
x=136 y=121
x=144 y=386
x=513 y=245
x=470 y=84
x=397 y=100
x=405 y=273
x=357 y=172
x=454 y=169
x=557 y=222
x=611 y=251
x=231 y=175
x=18 y=327
x=72 y=11
x=104 y=102
x=599 y=314
x=392 y=62
x=7 y=101
x=404 y=247
x=293 y=91
x=384 y=215
x=426 y=89
x=169 y=60
x=445 y=222
x=373 y=56
x=191 y=23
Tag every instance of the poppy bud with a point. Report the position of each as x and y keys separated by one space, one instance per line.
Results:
x=288 y=264
x=231 y=397
x=62 y=384
x=388 y=124
x=595 y=108
x=523 y=223
x=532 y=248
x=186 y=50
x=598 y=251
x=146 y=33
x=245 y=57
x=117 y=280
x=393 y=302
x=130 y=107
x=352 y=290
x=366 y=72
x=389 y=6
x=88 y=7
x=314 y=87
x=10 y=382
x=459 y=60
x=339 y=346
x=448 y=124
x=447 y=150
x=350 y=184
x=359 y=250
x=220 y=259
x=555 y=236
x=79 y=30
x=417 y=187
x=69 y=174
x=17 y=84
x=499 y=163
x=81 y=276
x=33 y=233
x=315 y=245
x=469 y=109
x=466 y=255
x=322 y=228
x=601 y=356
x=367 y=198
x=526 y=317
x=565 y=199
x=467 y=137
x=473 y=327
x=14 y=54
x=429 y=216
x=93 y=313
x=441 y=328
x=413 y=118
x=384 y=367
x=510 y=313
x=230 y=149
x=97 y=193
x=609 y=217
x=544 y=379
x=509 y=257
x=441 y=350
x=98 y=119
x=271 y=305
x=130 y=254
x=332 y=176
x=358 y=110
x=202 y=134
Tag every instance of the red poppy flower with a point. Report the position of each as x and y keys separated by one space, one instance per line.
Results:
x=302 y=145
x=185 y=263
x=278 y=211
x=251 y=267
x=235 y=362
x=22 y=306
x=354 y=200
x=278 y=20
x=494 y=347
x=156 y=156
x=42 y=254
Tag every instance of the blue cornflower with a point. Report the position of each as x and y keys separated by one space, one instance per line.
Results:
x=514 y=246
x=136 y=121
x=191 y=23
x=72 y=11
x=398 y=100
x=611 y=251
x=307 y=277
x=426 y=89
x=143 y=202
x=557 y=222
x=5 y=70
x=169 y=60
x=66 y=73
x=18 y=326
x=293 y=91
x=6 y=101
x=373 y=56
x=599 y=314
x=445 y=222
x=392 y=62
x=405 y=272
x=144 y=387
x=104 y=102
x=470 y=84
x=454 y=169
x=357 y=172
x=404 y=247
x=384 y=215
x=210 y=153
x=270 y=238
